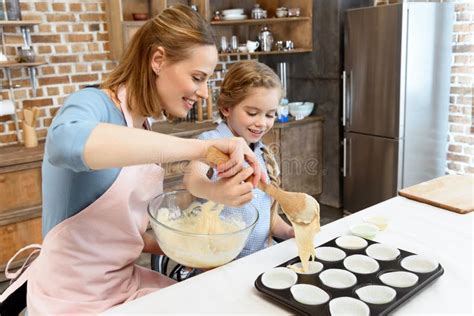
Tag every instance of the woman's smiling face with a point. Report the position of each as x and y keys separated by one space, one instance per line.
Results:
x=180 y=84
x=254 y=116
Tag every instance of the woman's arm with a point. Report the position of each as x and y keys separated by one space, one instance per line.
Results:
x=110 y=146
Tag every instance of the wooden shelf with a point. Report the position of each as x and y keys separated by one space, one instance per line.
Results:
x=19 y=23
x=297 y=29
x=15 y=64
x=260 y=21
x=273 y=52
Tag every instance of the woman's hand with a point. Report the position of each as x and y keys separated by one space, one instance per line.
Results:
x=233 y=191
x=238 y=151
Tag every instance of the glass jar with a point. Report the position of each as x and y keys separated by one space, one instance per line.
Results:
x=266 y=39
x=293 y=12
x=26 y=54
x=224 y=44
x=217 y=16
x=281 y=12
x=257 y=12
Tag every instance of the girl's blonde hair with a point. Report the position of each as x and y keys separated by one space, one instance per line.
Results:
x=239 y=80
x=177 y=29
x=243 y=76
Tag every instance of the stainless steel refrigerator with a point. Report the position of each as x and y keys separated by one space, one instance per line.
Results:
x=396 y=79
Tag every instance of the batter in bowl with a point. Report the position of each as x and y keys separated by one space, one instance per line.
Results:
x=213 y=243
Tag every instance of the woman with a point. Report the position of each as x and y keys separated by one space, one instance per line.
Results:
x=100 y=169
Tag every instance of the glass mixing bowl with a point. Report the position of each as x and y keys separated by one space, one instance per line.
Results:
x=168 y=212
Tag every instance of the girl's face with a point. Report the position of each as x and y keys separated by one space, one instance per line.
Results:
x=254 y=116
x=180 y=84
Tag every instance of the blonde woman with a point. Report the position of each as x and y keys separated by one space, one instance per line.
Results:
x=248 y=100
x=101 y=167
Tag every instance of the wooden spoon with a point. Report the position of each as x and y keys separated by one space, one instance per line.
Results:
x=299 y=207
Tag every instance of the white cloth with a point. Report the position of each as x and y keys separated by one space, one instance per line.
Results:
x=7 y=107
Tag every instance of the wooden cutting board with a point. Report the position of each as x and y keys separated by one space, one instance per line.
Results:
x=452 y=192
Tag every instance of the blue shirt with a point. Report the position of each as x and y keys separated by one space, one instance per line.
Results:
x=259 y=237
x=69 y=185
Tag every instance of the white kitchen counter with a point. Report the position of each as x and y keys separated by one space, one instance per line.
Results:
x=413 y=226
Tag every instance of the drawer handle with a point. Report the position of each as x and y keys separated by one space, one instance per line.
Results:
x=2 y=179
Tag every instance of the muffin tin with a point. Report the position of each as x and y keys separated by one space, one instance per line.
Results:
x=418 y=280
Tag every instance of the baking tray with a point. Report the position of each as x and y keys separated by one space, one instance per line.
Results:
x=284 y=296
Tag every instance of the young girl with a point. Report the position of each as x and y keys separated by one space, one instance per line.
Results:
x=248 y=100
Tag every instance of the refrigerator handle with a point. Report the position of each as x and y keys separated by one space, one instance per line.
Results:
x=344 y=77
x=344 y=157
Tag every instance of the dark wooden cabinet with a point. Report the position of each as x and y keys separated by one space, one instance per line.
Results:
x=297 y=147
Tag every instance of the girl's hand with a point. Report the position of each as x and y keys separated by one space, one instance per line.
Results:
x=290 y=233
x=281 y=229
x=233 y=191
x=238 y=151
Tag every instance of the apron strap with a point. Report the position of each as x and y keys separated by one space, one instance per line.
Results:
x=13 y=275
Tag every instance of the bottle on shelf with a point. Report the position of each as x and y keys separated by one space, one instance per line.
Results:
x=257 y=12
x=266 y=39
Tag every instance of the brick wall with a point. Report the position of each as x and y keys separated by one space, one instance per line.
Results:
x=72 y=38
x=461 y=110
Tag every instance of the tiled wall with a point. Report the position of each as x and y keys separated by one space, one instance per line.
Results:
x=72 y=38
x=461 y=109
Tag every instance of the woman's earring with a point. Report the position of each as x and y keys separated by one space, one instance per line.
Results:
x=157 y=71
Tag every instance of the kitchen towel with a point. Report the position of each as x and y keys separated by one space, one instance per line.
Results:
x=6 y=107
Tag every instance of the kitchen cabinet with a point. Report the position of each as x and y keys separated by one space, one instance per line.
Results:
x=20 y=196
x=297 y=29
x=298 y=148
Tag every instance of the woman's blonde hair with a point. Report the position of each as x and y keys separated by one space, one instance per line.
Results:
x=177 y=29
x=239 y=80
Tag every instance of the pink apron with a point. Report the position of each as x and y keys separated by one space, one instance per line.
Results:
x=87 y=262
